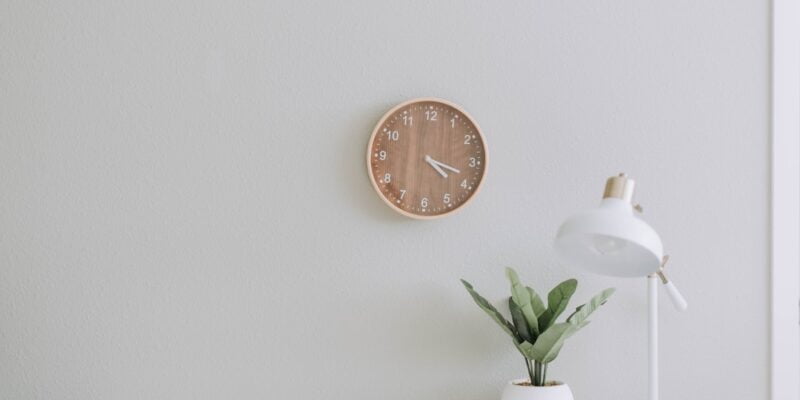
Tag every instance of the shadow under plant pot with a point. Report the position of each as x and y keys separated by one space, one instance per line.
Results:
x=521 y=389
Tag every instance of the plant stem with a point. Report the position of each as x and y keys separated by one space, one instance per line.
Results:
x=537 y=374
x=530 y=370
x=544 y=374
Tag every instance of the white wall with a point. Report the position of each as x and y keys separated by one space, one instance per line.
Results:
x=185 y=211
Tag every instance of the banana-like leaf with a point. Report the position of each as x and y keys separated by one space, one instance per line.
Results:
x=493 y=313
x=582 y=313
x=557 y=301
x=525 y=348
x=519 y=321
x=536 y=302
x=578 y=327
x=550 y=342
x=522 y=297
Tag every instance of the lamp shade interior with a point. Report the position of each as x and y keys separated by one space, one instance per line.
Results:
x=609 y=240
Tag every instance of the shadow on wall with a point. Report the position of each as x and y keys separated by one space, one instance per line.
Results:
x=355 y=187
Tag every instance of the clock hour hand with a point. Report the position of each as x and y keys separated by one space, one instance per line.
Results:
x=433 y=163
x=441 y=164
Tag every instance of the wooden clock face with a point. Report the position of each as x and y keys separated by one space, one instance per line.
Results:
x=426 y=158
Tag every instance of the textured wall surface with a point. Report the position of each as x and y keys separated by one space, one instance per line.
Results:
x=185 y=211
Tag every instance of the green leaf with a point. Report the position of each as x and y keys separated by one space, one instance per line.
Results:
x=578 y=327
x=525 y=348
x=519 y=321
x=491 y=311
x=522 y=298
x=557 y=301
x=549 y=343
x=582 y=312
x=536 y=302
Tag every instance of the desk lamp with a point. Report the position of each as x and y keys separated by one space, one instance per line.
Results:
x=612 y=240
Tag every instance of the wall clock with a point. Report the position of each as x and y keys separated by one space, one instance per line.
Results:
x=426 y=158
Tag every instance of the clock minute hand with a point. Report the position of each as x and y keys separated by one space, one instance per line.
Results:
x=447 y=166
x=433 y=163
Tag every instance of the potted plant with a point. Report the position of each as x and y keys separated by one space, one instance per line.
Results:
x=536 y=334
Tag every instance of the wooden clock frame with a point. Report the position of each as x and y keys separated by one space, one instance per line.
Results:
x=376 y=131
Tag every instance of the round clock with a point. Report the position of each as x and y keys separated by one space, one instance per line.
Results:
x=426 y=158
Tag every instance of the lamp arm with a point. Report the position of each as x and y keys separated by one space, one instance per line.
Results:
x=677 y=299
x=674 y=294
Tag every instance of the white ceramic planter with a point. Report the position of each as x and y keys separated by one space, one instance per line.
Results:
x=517 y=392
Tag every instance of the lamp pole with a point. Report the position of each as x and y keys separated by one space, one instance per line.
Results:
x=652 y=337
x=652 y=321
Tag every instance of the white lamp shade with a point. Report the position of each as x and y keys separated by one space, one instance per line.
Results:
x=609 y=240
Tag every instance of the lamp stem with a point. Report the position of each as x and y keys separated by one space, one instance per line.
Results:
x=652 y=336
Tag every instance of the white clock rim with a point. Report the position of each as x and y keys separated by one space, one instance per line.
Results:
x=375 y=133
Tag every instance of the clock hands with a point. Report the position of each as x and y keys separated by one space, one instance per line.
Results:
x=439 y=165
x=431 y=161
x=447 y=166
